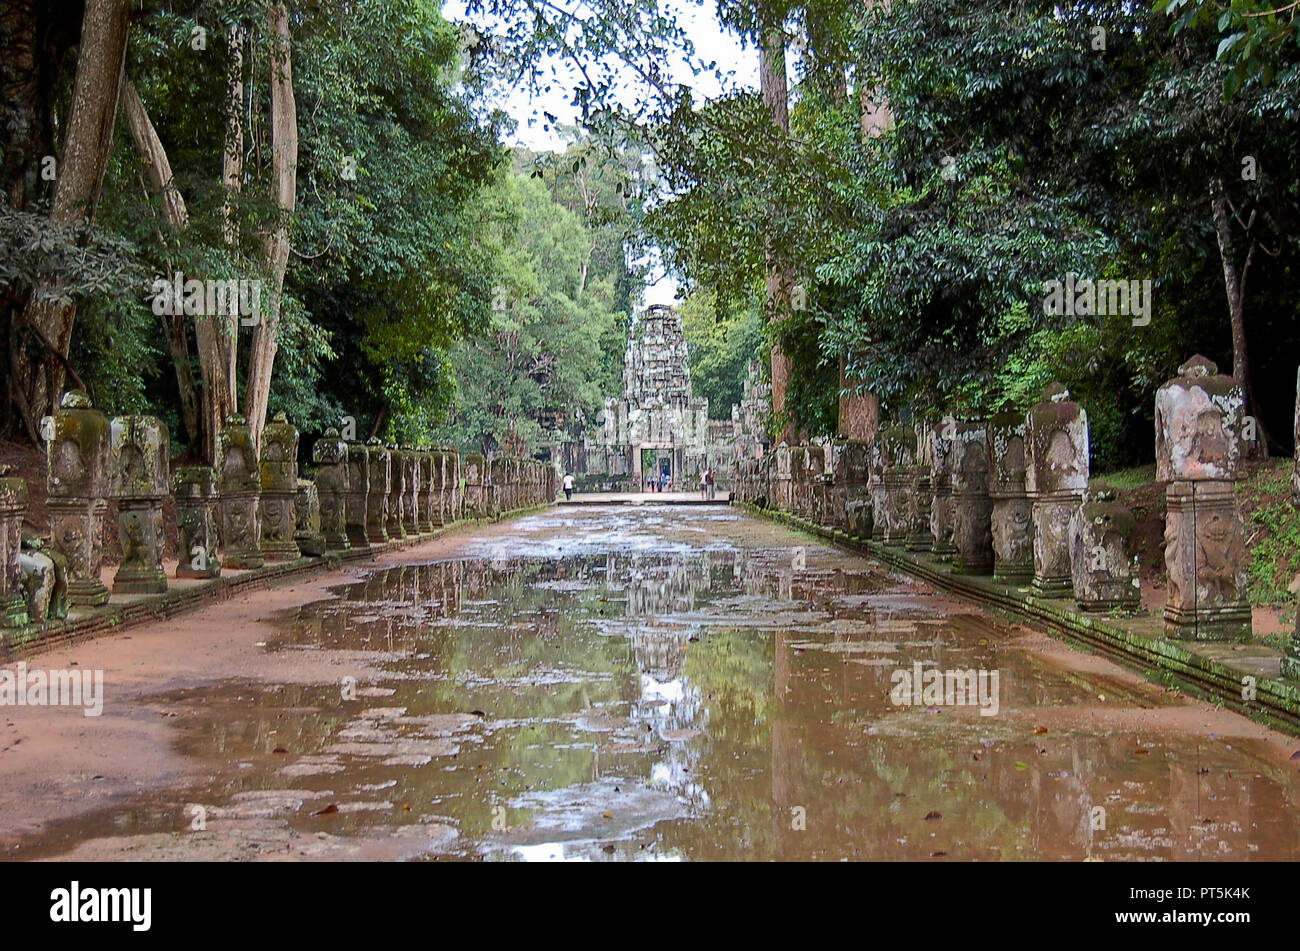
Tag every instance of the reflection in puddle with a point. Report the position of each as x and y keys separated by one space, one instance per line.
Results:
x=612 y=683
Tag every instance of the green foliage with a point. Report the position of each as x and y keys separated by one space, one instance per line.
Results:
x=1274 y=537
x=722 y=344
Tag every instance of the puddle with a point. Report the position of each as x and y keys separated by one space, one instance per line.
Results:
x=651 y=683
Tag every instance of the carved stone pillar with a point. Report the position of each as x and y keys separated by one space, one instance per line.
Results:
x=397 y=492
x=78 y=482
x=380 y=464
x=1101 y=556
x=898 y=446
x=427 y=498
x=13 y=506
x=197 y=500
x=307 y=533
x=330 y=454
x=475 y=467
x=1199 y=420
x=358 y=494
x=279 y=469
x=877 y=489
x=939 y=453
x=410 y=491
x=241 y=488
x=1056 y=476
x=139 y=452
x=972 y=509
x=457 y=492
x=1013 y=513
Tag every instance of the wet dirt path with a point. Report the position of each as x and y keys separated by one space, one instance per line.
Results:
x=628 y=682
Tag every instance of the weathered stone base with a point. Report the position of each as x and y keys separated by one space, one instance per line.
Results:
x=13 y=610
x=87 y=593
x=1208 y=624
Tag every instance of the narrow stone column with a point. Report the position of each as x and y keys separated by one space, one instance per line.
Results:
x=427 y=498
x=358 y=495
x=1056 y=476
x=1013 y=513
x=939 y=453
x=972 y=509
x=330 y=454
x=241 y=489
x=139 y=452
x=307 y=533
x=1101 y=555
x=1199 y=420
x=439 y=489
x=380 y=463
x=279 y=468
x=921 y=538
x=457 y=492
x=784 y=488
x=397 y=491
x=13 y=506
x=196 y=522
x=475 y=467
x=411 y=491
x=815 y=480
x=898 y=445
x=877 y=488
x=1291 y=660
x=78 y=481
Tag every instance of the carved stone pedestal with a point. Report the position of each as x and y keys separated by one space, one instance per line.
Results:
x=139 y=451
x=972 y=523
x=13 y=506
x=330 y=454
x=78 y=483
x=1013 y=514
x=1056 y=476
x=1205 y=560
x=1101 y=557
x=380 y=487
x=357 y=495
x=279 y=472
x=196 y=521
x=241 y=490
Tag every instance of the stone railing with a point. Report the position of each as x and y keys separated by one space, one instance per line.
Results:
x=250 y=509
x=1007 y=496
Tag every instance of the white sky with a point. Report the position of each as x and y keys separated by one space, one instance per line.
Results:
x=712 y=43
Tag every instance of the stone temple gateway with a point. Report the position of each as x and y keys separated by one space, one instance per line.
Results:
x=659 y=425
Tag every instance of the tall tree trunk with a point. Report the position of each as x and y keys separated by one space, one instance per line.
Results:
x=1234 y=285
x=215 y=334
x=284 y=165
x=780 y=279
x=159 y=170
x=89 y=140
x=1295 y=467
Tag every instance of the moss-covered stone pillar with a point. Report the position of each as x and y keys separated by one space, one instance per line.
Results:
x=1056 y=476
x=330 y=454
x=279 y=470
x=307 y=533
x=358 y=494
x=379 y=464
x=78 y=483
x=428 y=496
x=475 y=501
x=197 y=500
x=1199 y=429
x=13 y=506
x=139 y=453
x=396 y=493
x=972 y=508
x=898 y=445
x=1013 y=513
x=1101 y=555
x=241 y=489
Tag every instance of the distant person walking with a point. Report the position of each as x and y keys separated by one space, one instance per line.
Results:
x=708 y=484
x=568 y=485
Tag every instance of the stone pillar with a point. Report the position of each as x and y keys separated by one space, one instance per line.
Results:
x=411 y=495
x=380 y=462
x=1056 y=476
x=877 y=489
x=397 y=492
x=330 y=454
x=196 y=522
x=428 y=495
x=241 y=488
x=13 y=506
x=939 y=445
x=1199 y=424
x=814 y=461
x=358 y=494
x=898 y=448
x=454 y=475
x=784 y=498
x=279 y=468
x=77 y=453
x=496 y=485
x=920 y=538
x=307 y=534
x=1013 y=514
x=475 y=502
x=439 y=489
x=972 y=509
x=1101 y=555
x=139 y=451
